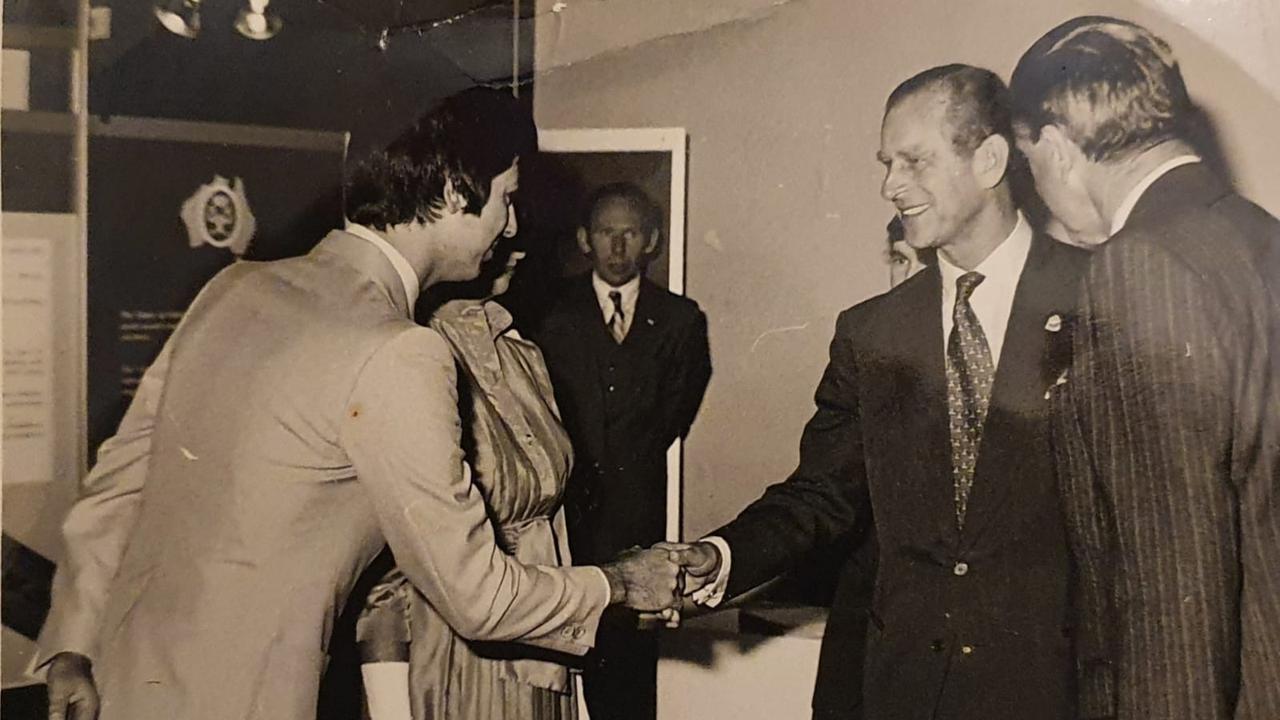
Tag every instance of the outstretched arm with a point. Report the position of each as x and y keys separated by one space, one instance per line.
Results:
x=825 y=497
x=402 y=431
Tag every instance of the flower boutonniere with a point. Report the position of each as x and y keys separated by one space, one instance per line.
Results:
x=1062 y=380
x=1054 y=323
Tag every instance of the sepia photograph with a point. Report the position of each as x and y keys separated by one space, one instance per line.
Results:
x=640 y=360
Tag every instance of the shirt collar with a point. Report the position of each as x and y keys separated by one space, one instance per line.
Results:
x=1131 y=200
x=629 y=292
x=412 y=285
x=1002 y=267
x=476 y=315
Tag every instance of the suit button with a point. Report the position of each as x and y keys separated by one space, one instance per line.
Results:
x=610 y=388
x=966 y=649
x=961 y=569
x=937 y=646
x=578 y=633
x=567 y=632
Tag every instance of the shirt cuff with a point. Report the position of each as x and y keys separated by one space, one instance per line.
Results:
x=712 y=594
x=37 y=668
x=608 y=588
x=386 y=689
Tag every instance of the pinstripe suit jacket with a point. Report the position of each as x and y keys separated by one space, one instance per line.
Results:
x=1168 y=433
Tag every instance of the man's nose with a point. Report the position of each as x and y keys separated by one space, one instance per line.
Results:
x=892 y=185
x=512 y=226
x=618 y=243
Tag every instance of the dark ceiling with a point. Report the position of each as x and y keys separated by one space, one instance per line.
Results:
x=365 y=66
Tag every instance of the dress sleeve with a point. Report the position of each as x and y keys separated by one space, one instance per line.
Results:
x=402 y=432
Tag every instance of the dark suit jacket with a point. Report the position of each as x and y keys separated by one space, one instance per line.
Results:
x=1169 y=434
x=963 y=625
x=623 y=405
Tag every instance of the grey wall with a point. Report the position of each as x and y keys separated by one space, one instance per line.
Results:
x=785 y=223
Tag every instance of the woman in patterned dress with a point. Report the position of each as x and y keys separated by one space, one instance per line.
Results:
x=519 y=457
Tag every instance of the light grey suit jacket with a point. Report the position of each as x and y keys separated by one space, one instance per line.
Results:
x=296 y=421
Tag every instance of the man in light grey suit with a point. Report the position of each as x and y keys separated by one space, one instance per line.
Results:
x=295 y=422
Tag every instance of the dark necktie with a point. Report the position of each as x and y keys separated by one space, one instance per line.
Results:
x=618 y=321
x=970 y=372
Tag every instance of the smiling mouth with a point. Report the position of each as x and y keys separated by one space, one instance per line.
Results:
x=912 y=211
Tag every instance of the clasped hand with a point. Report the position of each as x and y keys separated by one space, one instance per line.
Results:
x=655 y=579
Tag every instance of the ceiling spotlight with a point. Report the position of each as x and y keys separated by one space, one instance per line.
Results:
x=180 y=17
x=254 y=23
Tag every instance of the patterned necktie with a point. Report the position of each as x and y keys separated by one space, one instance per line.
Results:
x=970 y=372
x=618 y=322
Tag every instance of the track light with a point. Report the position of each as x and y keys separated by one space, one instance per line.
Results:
x=180 y=17
x=254 y=23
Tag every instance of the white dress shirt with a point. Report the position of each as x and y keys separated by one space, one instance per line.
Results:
x=629 y=291
x=1131 y=200
x=412 y=284
x=992 y=302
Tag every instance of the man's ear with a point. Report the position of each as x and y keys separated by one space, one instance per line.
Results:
x=652 y=246
x=583 y=244
x=991 y=160
x=1063 y=151
x=454 y=202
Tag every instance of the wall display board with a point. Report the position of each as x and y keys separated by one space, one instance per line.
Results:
x=43 y=348
x=170 y=204
x=575 y=162
x=211 y=195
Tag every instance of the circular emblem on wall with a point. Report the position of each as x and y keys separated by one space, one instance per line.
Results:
x=218 y=214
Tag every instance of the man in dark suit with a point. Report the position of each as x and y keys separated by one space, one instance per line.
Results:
x=629 y=362
x=1168 y=425
x=932 y=424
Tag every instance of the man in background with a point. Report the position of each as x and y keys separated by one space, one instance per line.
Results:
x=904 y=260
x=1168 y=425
x=630 y=363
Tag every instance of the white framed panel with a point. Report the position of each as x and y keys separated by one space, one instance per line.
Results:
x=614 y=144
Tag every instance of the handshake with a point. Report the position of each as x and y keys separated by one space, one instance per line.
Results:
x=656 y=579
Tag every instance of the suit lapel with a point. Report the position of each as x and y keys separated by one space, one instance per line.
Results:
x=592 y=337
x=589 y=316
x=1029 y=364
x=647 y=314
x=921 y=452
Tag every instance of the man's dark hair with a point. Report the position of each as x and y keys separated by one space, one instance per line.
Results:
x=977 y=102
x=468 y=139
x=1112 y=86
x=650 y=212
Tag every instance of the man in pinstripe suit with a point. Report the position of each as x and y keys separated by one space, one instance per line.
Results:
x=1167 y=426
